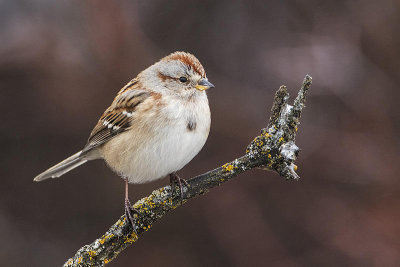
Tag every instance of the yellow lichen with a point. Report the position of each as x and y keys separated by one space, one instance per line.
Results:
x=267 y=134
x=295 y=167
x=79 y=259
x=104 y=238
x=228 y=167
x=280 y=139
x=92 y=253
x=269 y=156
x=258 y=141
x=132 y=238
x=106 y=261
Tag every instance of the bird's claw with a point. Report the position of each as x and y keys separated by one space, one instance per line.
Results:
x=129 y=211
x=175 y=179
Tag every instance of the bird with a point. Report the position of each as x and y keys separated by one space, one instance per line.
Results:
x=157 y=123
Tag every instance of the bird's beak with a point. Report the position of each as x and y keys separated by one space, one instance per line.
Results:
x=204 y=84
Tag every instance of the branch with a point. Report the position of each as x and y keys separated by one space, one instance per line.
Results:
x=274 y=149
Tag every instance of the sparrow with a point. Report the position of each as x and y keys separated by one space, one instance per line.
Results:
x=157 y=123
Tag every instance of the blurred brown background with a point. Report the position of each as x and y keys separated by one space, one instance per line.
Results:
x=62 y=62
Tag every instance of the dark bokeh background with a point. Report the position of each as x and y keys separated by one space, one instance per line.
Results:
x=62 y=62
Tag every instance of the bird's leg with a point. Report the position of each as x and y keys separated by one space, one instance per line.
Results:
x=174 y=178
x=128 y=207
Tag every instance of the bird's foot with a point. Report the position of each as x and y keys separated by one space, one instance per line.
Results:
x=129 y=211
x=175 y=179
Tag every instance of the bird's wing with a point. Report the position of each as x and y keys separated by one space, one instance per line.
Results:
x=117 y=118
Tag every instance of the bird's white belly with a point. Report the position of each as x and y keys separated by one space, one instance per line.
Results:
x=152 y=153
x=166 y=153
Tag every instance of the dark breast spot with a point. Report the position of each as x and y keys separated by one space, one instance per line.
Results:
x=191 y=125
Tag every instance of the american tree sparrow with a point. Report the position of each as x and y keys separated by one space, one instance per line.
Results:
x=156 y=124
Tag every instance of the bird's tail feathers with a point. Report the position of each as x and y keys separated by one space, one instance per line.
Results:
x=63 y=167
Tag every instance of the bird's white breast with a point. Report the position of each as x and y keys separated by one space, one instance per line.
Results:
x=162 y=140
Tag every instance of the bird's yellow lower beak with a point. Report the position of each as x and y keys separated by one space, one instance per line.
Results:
x=204 y=84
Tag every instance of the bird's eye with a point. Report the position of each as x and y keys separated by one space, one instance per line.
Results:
x=183 y=79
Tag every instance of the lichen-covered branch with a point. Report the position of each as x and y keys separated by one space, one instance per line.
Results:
x=273 y=149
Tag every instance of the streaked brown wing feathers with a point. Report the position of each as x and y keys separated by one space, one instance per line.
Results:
x=117 y=118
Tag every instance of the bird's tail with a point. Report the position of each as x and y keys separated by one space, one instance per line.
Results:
x=62 y=167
